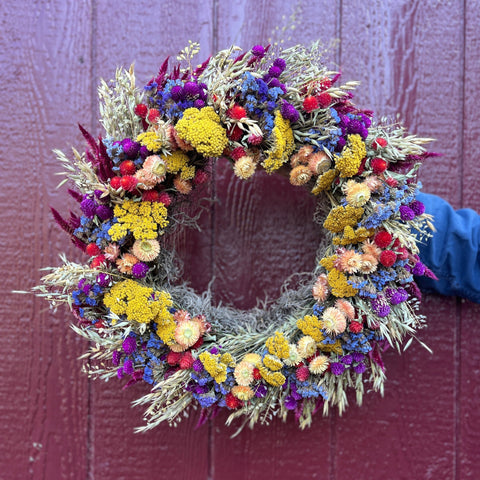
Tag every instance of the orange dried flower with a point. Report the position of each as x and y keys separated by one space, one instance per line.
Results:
x=300 y=175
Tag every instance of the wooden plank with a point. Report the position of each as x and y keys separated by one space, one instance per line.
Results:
x=408 y=55
x=146 y=36
x=263 y=234
x=468 y=344
x=44 y=73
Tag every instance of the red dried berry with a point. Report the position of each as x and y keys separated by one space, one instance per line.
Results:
x=200 y=177
x=361 y=168
x=198 y=343
x=402 y=253
x=186 y=361
x=388 y=258
x=153 y=115
x=128 y=183
x=379 y=143
x=235 y=133
x=379 y=165
x=93 y=250
x=355 y=327
x=141 y=110
x=232 y=402
x=150 y=196
x=302 y=373
x=396 y=243
x=325 y=84
x=256 y=374
x=127 y=167
x=173 y=358
x=237 y=112
x=98 y=261
x=324 y=99
x=310 y=104
x=383 y=239
x=237 y=153
x=165 y=198
x=115 y=182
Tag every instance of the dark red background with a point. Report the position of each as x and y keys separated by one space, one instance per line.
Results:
x=418 y=58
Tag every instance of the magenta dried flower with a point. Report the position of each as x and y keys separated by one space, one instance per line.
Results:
x=88 y=206
x=337 y=368
x=360 y=368
x=128 y=367
x=417 y=207
x=274 y=71
x=104 y=212
x=290 y=402
x=116 y=356
x=197 y=366
x=130 y=147
x=191 y=89
x=289 y=112
x=103 y=280
x=129 y=345
x=258 y=51
x=177 y=93
x=139 y=270
x=406 y=213
x=280 y=63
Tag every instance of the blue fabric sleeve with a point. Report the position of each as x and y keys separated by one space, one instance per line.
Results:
x=453 y=253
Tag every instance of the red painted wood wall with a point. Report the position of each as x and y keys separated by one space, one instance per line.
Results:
x=420 y=58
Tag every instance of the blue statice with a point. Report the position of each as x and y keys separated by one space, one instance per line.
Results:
x=334 y=115
x=114 y=151
x=381 y=277
x=148 y=374
x=249 y=83
x=150 y=86
x=269 y=122
x=318 y=309
x=311 y=390
x=357 y=342
x=382 y=214
x=274 y=93
x=358 y=285
x=205 y=400
x=154 y=341
x=201 y=378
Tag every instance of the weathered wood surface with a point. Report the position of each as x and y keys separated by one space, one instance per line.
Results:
x=420 y=59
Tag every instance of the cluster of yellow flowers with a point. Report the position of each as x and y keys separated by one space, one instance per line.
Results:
x=351 y=236
x=341 y=217
x=216 y=364
x=324 y=181
x=311 y=326
x=178 y=162
x=150 y=140
x=140 y=304
x=202 y=129
x=142 y=219
x=283 y=144
x=352 y=155
x=278 y=345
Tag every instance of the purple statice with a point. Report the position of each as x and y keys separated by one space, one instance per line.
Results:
x=198 y=366
x=258 y=51
x=337 y=368
x=129 y=345
x=199 y=389
x=116 y=356
x=130 y=148
x=88 y=206
x=289 y=112
x=360 y=368
x=418 y=269
x=380 y=306
x=290 y=402
x=139 y=270
x=128 y=367
x=406 y=213
x=417 y=207
x=104 y=212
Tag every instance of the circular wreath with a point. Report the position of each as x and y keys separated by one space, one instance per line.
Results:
x=284 y=112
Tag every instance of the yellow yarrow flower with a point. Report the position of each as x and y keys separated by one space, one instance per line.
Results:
x=324 y=181
x=275 y=379
x=272 y=362
x=278 y=345
x=328 y=262
x=332 y=347
x=352 y=155
x=213 y=366
x=283 y=144
x=311 y=326
x=202 y=129
x=150 y=140
x=140 y=304
x=142 y=219
x=339 y=284
x=178 y=162
x=341 y=217
x=351 y=236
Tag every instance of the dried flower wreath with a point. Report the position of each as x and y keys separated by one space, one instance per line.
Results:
x=260 y=109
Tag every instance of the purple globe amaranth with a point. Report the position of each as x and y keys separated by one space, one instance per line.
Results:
x=128 y=367
x=177 y=93
x=191 y=89
x=357 y=356
x=130 y=147
x=360 y=368
x=129 y=345
x=258 y=51
x=380 y=306
x=274 y=71
x=139 y=270
x=88 y=206
x=104 y=212
x=260 y=391
x=103 y=279
x=406 y=213
x=337 y=368
x=418 y=269
x=144 y=152
x=116 y=356
x=280 y=63
x=347 y=359
x=289 y=112
x=417 y=207
x=198 y=366
x=290 y=402
x=199 y=103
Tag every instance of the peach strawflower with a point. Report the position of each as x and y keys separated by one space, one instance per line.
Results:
x=182 y=144
x=243 y=373
x=373 y=183
x=112 y=251
x=183 y=186
x=319 y=163
x=369 y=248
x=368 y=264
x=156 y=167
x=181 y=316
x=244 y=167
x=306 y=346
x=334 y=321
x=305 y=152
x=346 y=308
x=242 y=392
x=357 y=194
x=146 y=180
x=318 y=365
x=187 y=333
x=300 y=175
x=176 y=347
x=293 y=358
x=146 y=250
x=253 y=358
x=203 y=325
x=349 y=261
x=320 y=289
x=126 y=263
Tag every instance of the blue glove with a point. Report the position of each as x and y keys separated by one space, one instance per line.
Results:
x=453 y=253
